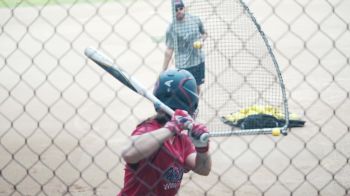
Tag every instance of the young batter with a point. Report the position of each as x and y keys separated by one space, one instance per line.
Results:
x=160 y=151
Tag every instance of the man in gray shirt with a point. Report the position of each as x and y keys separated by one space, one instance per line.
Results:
x=186 y=35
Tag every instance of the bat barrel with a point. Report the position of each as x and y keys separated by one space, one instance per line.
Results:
x=98 y=57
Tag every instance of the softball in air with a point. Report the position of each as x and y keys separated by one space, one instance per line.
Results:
x=197 y=44
x=276 y=132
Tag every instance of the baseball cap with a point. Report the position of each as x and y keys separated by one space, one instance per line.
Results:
x=179 y=4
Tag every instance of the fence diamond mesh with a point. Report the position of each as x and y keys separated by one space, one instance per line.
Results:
x=63 y=120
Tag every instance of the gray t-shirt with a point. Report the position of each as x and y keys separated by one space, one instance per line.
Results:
x=182 y=34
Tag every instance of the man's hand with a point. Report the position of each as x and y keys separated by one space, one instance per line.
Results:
x=180 y=121
x=197 y=130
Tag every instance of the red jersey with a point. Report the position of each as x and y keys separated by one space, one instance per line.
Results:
x=161 y=173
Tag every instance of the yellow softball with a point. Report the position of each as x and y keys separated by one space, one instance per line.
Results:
x=276 y=132
x=197 y=44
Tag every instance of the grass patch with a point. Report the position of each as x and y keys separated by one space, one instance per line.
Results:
x=25 y=3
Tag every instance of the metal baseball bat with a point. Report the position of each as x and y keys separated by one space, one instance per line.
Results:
x=107 y=64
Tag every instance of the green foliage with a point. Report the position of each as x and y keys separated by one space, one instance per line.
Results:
x=20 y=3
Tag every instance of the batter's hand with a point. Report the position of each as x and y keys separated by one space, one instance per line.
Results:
x=179 y=121
x=197 y=130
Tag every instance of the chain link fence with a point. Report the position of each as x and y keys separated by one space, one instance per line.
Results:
x=63 y=120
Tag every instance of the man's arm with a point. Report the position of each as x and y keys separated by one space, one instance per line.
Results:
x=167 y=57
x=204 y=36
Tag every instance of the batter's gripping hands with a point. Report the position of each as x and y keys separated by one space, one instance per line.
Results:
x=180 y=121
x=197 y=130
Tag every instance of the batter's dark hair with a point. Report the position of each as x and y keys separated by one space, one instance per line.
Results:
x=161 y=117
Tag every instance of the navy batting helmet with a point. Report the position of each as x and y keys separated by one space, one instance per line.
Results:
x=177 y=89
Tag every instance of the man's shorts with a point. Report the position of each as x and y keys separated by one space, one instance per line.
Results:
x=198 y=72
